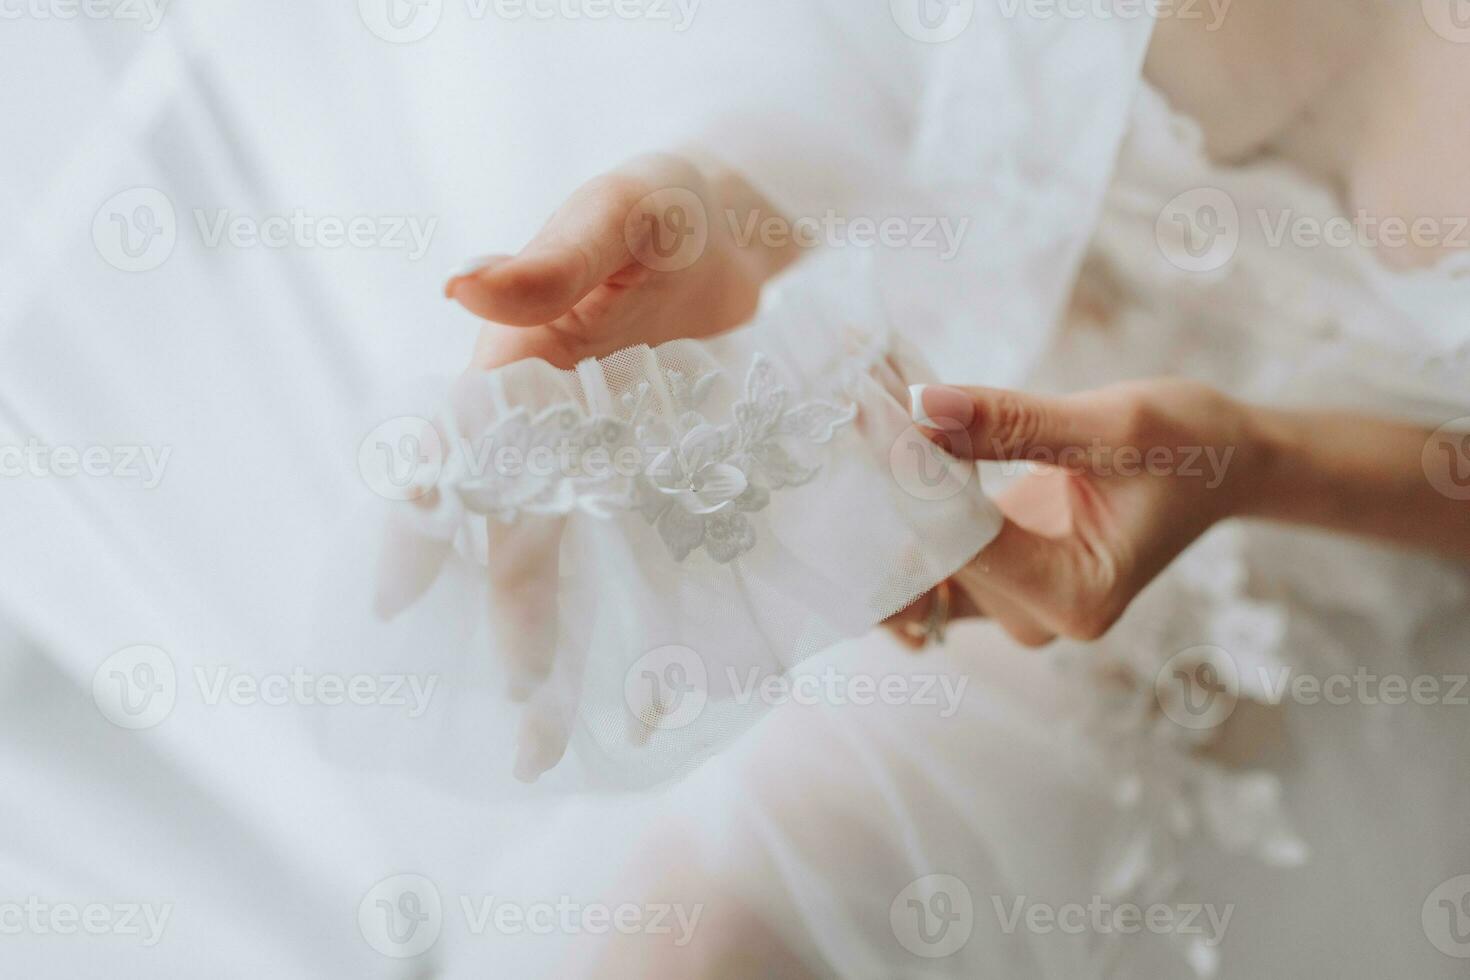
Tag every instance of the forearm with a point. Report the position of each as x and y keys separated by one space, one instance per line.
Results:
x=1353 y=474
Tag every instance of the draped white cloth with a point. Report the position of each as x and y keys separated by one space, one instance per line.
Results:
x=659 y=533
x=265 y=829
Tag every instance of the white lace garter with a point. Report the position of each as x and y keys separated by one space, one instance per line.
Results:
x=665 y=531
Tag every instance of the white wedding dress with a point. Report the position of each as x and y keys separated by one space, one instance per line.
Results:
x=1322 y=847
x=991 y=821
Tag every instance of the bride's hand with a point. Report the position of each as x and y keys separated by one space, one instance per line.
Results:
x=641 y=255
x=1129 y=476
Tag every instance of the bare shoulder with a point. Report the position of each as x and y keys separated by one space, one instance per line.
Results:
x=1248 y=69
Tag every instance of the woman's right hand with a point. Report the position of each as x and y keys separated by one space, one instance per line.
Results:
x=645 y=254
x=642 y=255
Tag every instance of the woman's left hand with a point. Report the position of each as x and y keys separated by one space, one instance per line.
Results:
x=1123 y=479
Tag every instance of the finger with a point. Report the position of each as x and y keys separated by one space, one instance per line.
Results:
x=583 y=245
x=1010 y=614
x=408 y=564
x=961 y=606
x=498 y=346
x=903 y=636
x=523 y=567
x=996 y=424
x=916 y=614
x=544 y=732
x=974 y=596
x=901 y=623
x=524 y=572
x=1038 y=579
x=549 y=719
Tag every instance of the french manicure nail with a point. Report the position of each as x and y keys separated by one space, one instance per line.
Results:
x=916 y=404
x=472 y=266
x=940 y=407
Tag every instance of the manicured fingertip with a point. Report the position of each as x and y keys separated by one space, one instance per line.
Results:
x=940 y=407
x=469 y=268
x=916 y=405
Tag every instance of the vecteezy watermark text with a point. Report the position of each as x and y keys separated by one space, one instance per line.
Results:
x=1209 y=463
x=137 y=230
x=1201 y=230
x=404 y=458
x=302 y=229
x=225 y=685
x=833 y=230
x=146 y=13
x=137 y=688
x=405 y=914
x=407 y=21
x=669 y=687
x=38 y=917
x=927 y=471
x=1212 y=12
x=934 y=917
x=1200 y=688
x=144 y=464
x=1100 y=916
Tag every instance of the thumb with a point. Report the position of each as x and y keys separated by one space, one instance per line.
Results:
x=997 y=424
x=581 y=246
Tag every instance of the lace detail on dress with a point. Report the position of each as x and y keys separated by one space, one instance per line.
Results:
x=693 y=478
x=1338 y=303
x=1196 y=647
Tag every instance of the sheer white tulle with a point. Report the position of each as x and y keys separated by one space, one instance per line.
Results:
x=661 y=532
x=807 y=839
x=1114 y=774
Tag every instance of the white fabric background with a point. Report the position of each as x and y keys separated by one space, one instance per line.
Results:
x=262 y=371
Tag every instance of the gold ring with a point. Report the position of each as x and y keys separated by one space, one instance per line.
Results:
x=933 y=628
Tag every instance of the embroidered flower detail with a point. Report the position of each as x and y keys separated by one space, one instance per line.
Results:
x=699 y=490
x=1171 y=795
x=540 y=465
x=693 y=475
x=703 y=478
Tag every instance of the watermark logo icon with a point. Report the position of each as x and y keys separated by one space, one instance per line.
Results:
x=1450 y=19
x=933 y=21
x=667 y=688
x=934 y=916
x=1447 y=459
x=136 y=687
x=1446 y=917
x=401 y=916
x=1198 y=688
x=668 y=230
x=401 y=21
x=136 y=230
x=1199 y=231
x=924 y=470
x=402 y=458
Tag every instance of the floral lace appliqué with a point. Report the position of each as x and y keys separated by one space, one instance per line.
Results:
x=697 y=480
x=699 y=490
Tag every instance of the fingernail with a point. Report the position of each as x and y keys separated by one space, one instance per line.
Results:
x=541 y=743
x=940 y=407
x=472 y=266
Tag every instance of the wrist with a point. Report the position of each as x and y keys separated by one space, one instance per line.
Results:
x=1271 y=462
x=741 y=211
x=1306 y=471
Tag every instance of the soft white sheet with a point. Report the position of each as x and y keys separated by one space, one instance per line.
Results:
x=259 y=371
